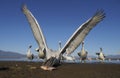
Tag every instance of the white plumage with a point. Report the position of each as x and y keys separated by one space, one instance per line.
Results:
x=101 y=56
x=83 y=53
x=53 y=57
x=29 y=53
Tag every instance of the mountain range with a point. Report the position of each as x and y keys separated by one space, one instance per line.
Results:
x=16 y=55
x=9 y=54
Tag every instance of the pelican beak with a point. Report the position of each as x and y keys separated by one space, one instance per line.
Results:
x=47 y=68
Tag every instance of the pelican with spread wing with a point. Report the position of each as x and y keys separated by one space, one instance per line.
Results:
x=52 y=58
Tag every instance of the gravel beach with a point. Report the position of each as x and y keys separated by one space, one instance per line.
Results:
x=13 y=69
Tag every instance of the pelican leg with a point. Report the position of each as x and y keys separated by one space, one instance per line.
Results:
x=81 y=60
x=74 y=61
x=102 y=61
x=84 y=61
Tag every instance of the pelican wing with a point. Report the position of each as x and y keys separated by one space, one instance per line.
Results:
x=37 y=32
x=78 y=36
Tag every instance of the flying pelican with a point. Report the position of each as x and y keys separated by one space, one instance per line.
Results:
x=52 y=58
x=83 y=53
x=29 y=54
x=101 y=56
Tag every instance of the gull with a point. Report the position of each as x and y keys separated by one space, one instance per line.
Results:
x=83 y=53
x=52 y=57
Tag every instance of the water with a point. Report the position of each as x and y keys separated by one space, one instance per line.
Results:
x=95 y=61
x=21 y=59
x=76 y=61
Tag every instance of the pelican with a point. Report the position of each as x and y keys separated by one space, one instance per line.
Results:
x=83 y=53
x=66 y=56
x=29 y=54
x=101 y=56
x=52 y=57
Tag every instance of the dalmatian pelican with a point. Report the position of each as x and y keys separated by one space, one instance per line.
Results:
x=83 y=53
x=52 y=57
x=101 y=56
x=29 y=53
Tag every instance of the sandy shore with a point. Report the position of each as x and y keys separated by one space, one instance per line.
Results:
x=32 y=70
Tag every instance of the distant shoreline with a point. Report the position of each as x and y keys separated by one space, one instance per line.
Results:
x=64 y=61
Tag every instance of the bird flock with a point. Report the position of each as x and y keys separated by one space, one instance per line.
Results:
x=53 y=58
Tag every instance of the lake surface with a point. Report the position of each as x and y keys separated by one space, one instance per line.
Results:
x=76 y=61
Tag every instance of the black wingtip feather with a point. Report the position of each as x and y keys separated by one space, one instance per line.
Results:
x=100 y=13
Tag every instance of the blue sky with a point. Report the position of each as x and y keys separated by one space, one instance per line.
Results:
x=58 y=20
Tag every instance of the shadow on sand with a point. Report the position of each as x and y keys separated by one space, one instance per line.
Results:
x=4 y=68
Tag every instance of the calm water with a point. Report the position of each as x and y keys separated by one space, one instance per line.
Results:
x=76 y=61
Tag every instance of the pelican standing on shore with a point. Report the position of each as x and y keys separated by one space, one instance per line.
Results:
x=30 y=56
x=101 y=56
x=83 y=53
x=66 y=56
